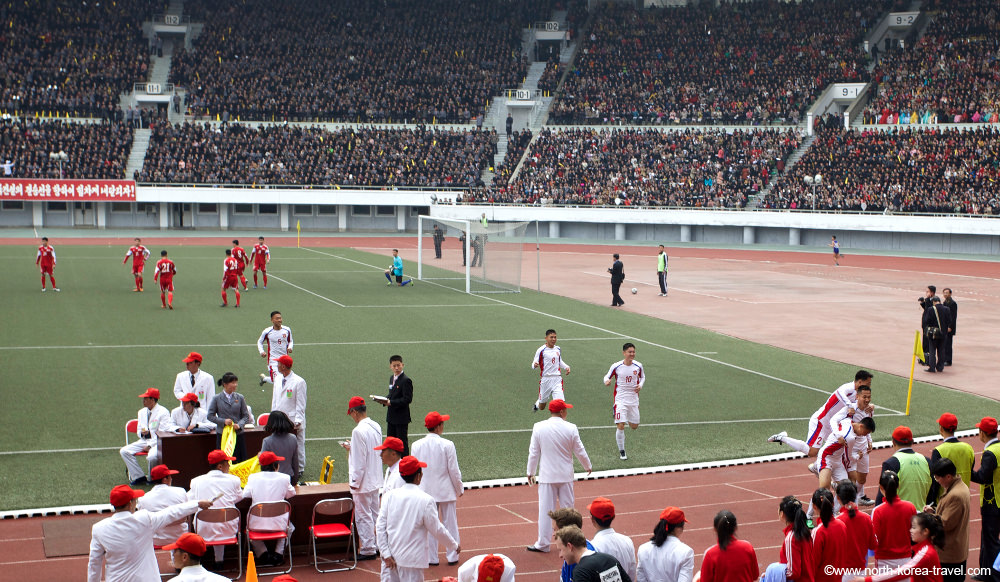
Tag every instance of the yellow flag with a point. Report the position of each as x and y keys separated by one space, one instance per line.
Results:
x=244 y=469
x=228 y=440
x=918 y=346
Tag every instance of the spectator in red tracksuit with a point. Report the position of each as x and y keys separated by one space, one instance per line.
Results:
x=797 y=549
x=829 y=539
x=731 y=560
x=860 y=530
x=926 y=531
x=892 y=520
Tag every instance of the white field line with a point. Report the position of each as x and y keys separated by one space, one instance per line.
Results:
x=286 y=282
x=238 y=345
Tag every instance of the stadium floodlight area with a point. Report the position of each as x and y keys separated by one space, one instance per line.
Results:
x=494 y=255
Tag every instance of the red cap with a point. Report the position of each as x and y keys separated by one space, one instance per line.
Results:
x=391 y=443
x=268 y=458
x=122 y=494
x=285 y=578
x=189 y=397
x=903 y=435
x=602 y=508
x=355 y=402
x=948 y=421
x=150 y=393
x=673 y=515
x=193 y=357
x=285 y=361
x=490 y=569
x=559 y=405
x=191 y=543
x=435 y=418
x=409 y=465
x=987 y=424
x=160 y=471
x=217 y=456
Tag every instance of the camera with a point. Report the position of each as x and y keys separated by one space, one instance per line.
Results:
x=924 y=302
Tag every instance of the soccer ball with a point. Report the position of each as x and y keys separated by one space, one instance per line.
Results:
x=634 y=290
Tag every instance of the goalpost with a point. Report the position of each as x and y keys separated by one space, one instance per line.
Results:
x=494 y=255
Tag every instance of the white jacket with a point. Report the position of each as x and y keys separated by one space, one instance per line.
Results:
x=442 y=478
x=553 y=444
x=406 y=517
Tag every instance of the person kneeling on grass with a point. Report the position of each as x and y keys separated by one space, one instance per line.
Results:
x=396 y=270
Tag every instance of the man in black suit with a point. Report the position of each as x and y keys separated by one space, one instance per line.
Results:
x=952 y=306
x=397 y=418
x=617 y=271
x=438 y=239
x=937 y=324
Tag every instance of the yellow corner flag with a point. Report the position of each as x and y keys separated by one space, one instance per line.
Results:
x=298 y=232
x=918 y=353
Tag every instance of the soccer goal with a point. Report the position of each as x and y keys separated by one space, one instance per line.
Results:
x=493 y=254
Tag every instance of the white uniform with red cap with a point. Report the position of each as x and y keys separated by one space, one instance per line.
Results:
x=469 y=571
x=553 y=443
x=207 y=486
x=442 y=480
x=180 y=419
x=364 y=471
x=161 y=497
x=203 y=387
x=289 y=396
x=406 y=517
x=150 y=420
x=123 y=543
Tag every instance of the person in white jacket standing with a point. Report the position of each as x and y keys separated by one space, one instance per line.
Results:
x=289 y=396
x=123 y=543
x=553 y=443
x=442 y=480
x=364 y=474
x=407 y=516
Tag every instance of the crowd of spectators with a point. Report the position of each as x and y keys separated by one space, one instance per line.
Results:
x=748 y=63
x=951 y=75
x=636 y=167
x=945 y=170
x=96 y=151
x=351 y=61
x=300 y=155
x=71 y=58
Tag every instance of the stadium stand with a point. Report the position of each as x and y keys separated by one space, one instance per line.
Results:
x=739 y=63
x=71 y=58
x=94 y=150
x=294 y=154
x=711 y=169
x=941 y=170
x=516 y=145
x=952 y=75
x=356 y=61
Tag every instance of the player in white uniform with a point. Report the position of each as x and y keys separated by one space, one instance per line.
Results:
x=820 y=423
x=628 y=376
x=834 y=458
x=274 y=342
x=549 y=359
x=858 y=469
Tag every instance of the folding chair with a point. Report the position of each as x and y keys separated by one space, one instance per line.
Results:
x=271 y=509
x=342 y=528
x=262 y=419
x=132 y=427
x=223 y=515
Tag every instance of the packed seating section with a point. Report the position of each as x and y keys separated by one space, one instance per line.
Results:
x=93 y=150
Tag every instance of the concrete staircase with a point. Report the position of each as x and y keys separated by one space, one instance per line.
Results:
x=140 y=143
x=754 y=202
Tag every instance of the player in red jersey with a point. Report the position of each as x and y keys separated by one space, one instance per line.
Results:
x=261 y=255
x=46 y=260
x=139 y=255
x=230 y=278
x=241 y=257
x=165 y=271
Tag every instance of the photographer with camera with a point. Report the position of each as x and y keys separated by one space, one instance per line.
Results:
x=924 y=303
x=936 y=324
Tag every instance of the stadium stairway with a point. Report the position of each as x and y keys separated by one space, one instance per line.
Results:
x=753 y=202
x=140 y=143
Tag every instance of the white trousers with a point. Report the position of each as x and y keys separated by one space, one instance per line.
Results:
x=300 y=436
x=129 y=451
x=551 y=496
x=401 y=574
x=365 y=513
x=449 y=518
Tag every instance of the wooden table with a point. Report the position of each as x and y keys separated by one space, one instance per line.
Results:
x=188 y=453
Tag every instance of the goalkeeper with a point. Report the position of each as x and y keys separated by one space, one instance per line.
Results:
x=396 y=270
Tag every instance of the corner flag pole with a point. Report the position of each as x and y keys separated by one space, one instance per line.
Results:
x=918 y=348
x=298 y=233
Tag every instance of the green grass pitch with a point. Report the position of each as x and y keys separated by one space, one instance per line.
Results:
x=76 y=360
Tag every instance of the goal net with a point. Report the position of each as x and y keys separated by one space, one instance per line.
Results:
x=493 y=254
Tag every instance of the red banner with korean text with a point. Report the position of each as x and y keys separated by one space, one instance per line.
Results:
x=91 y=190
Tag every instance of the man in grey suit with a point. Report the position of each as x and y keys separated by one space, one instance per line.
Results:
x=229 y=408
